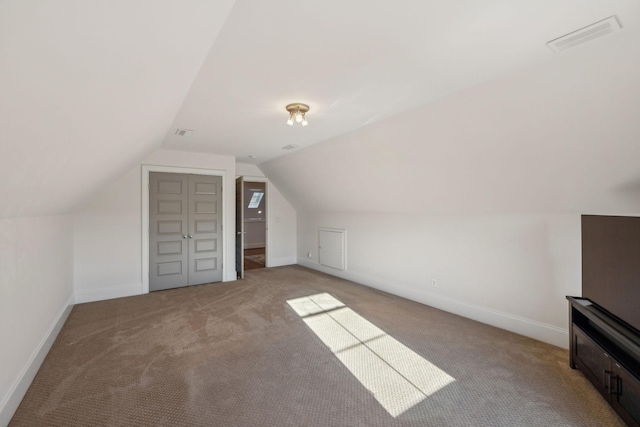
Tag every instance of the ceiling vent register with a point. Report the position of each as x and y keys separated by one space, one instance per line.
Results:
x=184 y=132
x=583 y=35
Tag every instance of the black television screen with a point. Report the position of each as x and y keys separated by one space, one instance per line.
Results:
x=611 y=265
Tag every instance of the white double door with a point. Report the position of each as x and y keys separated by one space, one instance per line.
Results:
x=185 y=230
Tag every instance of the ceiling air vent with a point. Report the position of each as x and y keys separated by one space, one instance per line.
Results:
x=290 y=147
x=184 y=132
x=585 y=34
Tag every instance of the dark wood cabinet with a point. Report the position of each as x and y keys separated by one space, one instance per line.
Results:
x=625 y=395
x=607 y=352
x=594 y=363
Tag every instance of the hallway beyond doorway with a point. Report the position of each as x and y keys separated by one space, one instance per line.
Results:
x=254 y=258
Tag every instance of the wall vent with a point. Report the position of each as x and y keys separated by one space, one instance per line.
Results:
x=184 y=132
x=585 y=34
x=290 y=147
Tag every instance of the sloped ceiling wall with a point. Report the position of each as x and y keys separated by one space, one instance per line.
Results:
x=87 y=89
x=560 y=138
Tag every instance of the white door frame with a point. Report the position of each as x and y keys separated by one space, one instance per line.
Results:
x=145 y=212
x=248 y=178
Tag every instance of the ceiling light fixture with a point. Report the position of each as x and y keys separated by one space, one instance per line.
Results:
x=297 y=113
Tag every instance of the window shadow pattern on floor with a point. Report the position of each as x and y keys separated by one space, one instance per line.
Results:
x=397 y=377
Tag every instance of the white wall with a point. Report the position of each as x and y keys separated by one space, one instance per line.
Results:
x=511 y=271
x=481 y=190
x=247 y=170
x=281 y=219
x=281 y=229
x=108 y=230
x=36 y=290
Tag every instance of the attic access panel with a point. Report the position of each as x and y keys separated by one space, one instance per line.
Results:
x=332 y=243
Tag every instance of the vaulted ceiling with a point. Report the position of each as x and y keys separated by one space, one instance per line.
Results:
x=462 y=96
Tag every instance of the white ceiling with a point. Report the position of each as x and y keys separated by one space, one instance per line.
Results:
x=355 y=62
x=88 y=89
x=561 y=137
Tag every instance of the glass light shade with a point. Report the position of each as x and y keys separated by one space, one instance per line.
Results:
x=298 y=117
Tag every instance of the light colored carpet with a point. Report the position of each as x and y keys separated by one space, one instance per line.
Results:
x=237 y=354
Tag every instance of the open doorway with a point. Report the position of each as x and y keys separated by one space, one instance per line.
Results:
x=255 y=225
x=251 y=225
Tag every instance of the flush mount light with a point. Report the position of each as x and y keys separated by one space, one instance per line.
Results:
x=297 y=113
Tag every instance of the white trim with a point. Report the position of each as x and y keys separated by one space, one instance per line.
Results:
x=520 y=325
x=18 y=389
x=145 y=213
x=279 y=262
x=108 y=292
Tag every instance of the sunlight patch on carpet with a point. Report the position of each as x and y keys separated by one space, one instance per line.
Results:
x=396 y=376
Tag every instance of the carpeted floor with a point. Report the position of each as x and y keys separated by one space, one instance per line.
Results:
x=237 y=354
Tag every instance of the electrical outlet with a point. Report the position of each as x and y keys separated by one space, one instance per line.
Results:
x=433 y=283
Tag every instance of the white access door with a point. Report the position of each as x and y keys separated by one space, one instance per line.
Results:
x=185 y=230
x=332 y=247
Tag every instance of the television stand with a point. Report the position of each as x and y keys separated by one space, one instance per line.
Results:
x=607 y=351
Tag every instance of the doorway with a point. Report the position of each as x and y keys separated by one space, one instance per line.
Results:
x=251 y=225
x=185 y=230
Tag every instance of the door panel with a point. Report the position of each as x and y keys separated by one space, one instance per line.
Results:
x=240 y=228
x=205 y=231
x=168 y=256
x=185 y=230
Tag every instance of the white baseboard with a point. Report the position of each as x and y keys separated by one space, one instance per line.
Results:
x=109 y=292
x=279 y=262
x=19 y=388
x=229 y=275
x=520 y=325
x=255 y=245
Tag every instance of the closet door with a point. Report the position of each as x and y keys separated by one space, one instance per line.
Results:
x=205 y=229
x=168 y=233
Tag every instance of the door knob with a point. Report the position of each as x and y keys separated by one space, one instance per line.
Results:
x=190 y=236
x=184 y=236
